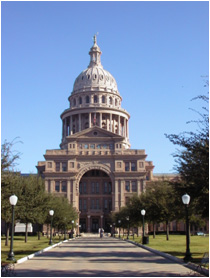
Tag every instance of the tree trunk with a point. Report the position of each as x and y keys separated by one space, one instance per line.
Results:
x=7 y=234
x=154 y=227
x=167 y=230
x=26 y=233
x=39 y=232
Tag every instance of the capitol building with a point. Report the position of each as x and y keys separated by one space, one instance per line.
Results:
x=95 y=168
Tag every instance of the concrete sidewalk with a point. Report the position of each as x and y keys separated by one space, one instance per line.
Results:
x=95 y=257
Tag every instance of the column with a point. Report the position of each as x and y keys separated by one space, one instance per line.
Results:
x=122 y=196
x=100 y=120
x=88 y=227
x=127 y=131
x=110 y=120
x=138 y=187
x=116 y=206
x=74 y=193
x=68 y=190
x=118 y=130
x=89 y=119
x=124 y=133
x=71 y=126
x=79 y=122
x=65 y=127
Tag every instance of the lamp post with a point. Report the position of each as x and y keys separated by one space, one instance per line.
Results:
x=13 y=201
x=51 y=213
x=65 y=229
x=127 y=218
x=111 y=229
x=119 y=221
x=143 y=213
x=186 y=201
x=72 y=231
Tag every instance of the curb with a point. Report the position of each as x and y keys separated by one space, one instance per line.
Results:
x=189 y=265
x=40 y=252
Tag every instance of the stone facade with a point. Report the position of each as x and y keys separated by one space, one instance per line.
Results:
x=95 y=167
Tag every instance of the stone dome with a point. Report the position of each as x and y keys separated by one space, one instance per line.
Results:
x=95 y=77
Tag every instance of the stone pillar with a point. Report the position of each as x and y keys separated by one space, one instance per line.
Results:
x=88 y=227
x=74 y=193
x=71 y=126
x=122 y=196
x=116 y=205
x=68 y=190
x=118 y=130
x=100 y=120
x=65 y=127
x=138 y=187
x=124 y=133
x=79 y=122
x=89 y=119
x=110 y=120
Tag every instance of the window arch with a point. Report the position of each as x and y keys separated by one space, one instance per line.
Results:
x=110 y=100
x=80 y=100
x=95 y=98
x=103 y=99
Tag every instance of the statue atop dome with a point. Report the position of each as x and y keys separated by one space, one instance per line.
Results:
x=94 y=38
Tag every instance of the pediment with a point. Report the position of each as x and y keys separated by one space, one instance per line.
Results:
x=95 y=132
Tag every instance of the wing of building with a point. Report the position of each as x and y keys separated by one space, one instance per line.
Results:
x=95 y=167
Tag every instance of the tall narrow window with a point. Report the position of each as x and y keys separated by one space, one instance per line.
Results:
x=97 y=187
x=134 y=187
x=93 y=187
x=103 y=99
x=57 y=165
x=64 y=166
x=80 y=100
x=57 y=186
x=133 y=166
x=85 y=204
x=85 y=187
x=126 y=166
x=105 y=187
x=127 y=186
x=64 y=187
x=95 y=99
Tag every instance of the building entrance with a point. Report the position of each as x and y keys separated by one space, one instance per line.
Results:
x=95 y=225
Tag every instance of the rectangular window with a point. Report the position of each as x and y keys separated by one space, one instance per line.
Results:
x=126 y=166
x=134 y=187
x=97 y=187
x=57 y=167
x=141 y=164
x=57 y=186
x=85 y=187
x=93 y=187
x=97 y=204
x=127 y=186
x=105 y=187
x=64 y=166
x=49 y=164
x=110 y=204
x=92 y=204
x=105 y=204
x=80 y=188
x=119 y=164
x=133 y=166
x=64 y=186
x=85 y=204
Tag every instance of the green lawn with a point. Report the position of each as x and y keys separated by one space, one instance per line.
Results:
x=176 y=245
x=22 y=249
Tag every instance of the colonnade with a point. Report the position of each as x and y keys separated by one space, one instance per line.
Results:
x=109 y=121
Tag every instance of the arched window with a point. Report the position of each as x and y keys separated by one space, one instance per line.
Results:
x=74 y=102
x=87 y=99
x=80 y=100
x=103 y=99
x=110 y=100
x=95 y=99
x=116 y=102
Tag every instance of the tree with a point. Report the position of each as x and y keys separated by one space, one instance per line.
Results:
x=159 y=202
x=10 y=181
x=192 y=162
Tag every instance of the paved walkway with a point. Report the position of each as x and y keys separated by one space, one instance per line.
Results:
x=95 y=257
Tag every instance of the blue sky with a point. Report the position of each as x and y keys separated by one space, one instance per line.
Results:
x=157 y=52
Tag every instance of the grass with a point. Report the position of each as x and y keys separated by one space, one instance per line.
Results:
x=176 y=245
x=22 y=249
